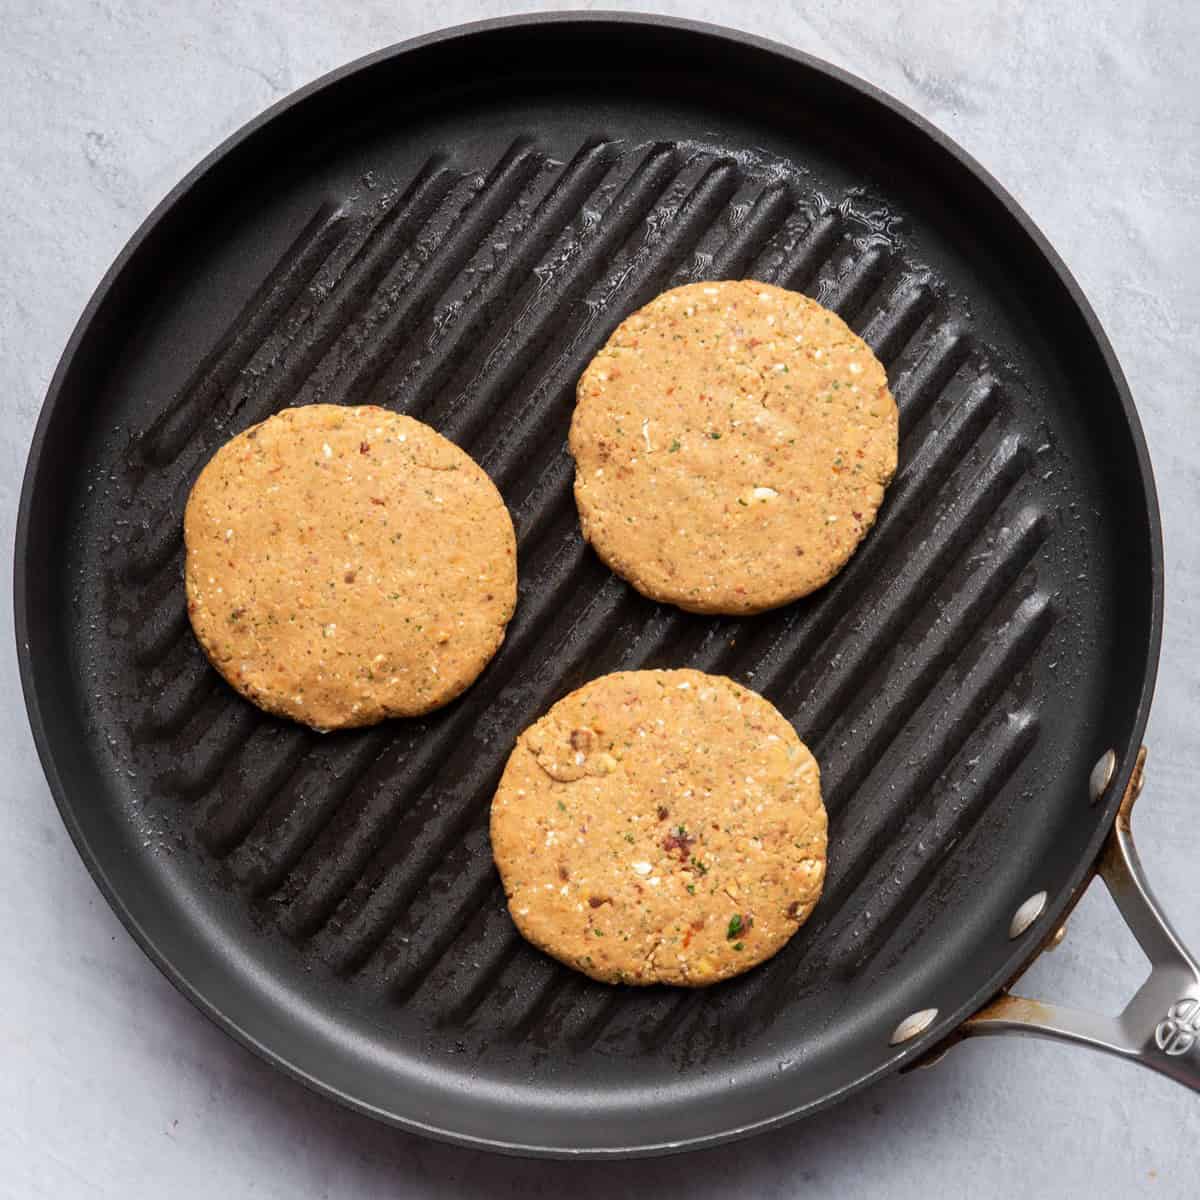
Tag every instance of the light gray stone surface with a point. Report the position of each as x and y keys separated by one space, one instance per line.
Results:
x=111 y=1085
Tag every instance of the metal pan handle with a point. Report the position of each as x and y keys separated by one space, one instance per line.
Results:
x=1160 y=1027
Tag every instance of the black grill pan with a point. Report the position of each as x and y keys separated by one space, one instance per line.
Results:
x=451 y=228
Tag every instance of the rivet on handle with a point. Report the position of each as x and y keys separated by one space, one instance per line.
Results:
x=1027 y=914
x=916 y=1023
x=1056 y=937
x=1102 y=774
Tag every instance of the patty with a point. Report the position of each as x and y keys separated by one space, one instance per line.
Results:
x=732 y=443
x=345 y=565
x=660 y=827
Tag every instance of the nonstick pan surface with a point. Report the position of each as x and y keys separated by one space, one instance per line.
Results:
x=452 y=227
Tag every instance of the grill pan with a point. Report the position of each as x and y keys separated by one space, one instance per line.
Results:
x=451 y=228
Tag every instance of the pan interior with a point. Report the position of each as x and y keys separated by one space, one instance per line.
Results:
x=453 y=232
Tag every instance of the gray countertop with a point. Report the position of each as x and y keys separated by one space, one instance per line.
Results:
x=114 y=1086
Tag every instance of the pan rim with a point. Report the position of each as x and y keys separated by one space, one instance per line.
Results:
x=162 y=956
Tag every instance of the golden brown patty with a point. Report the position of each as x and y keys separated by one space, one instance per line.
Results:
x=347 y=564
x=732 y=443
x=660 y=827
